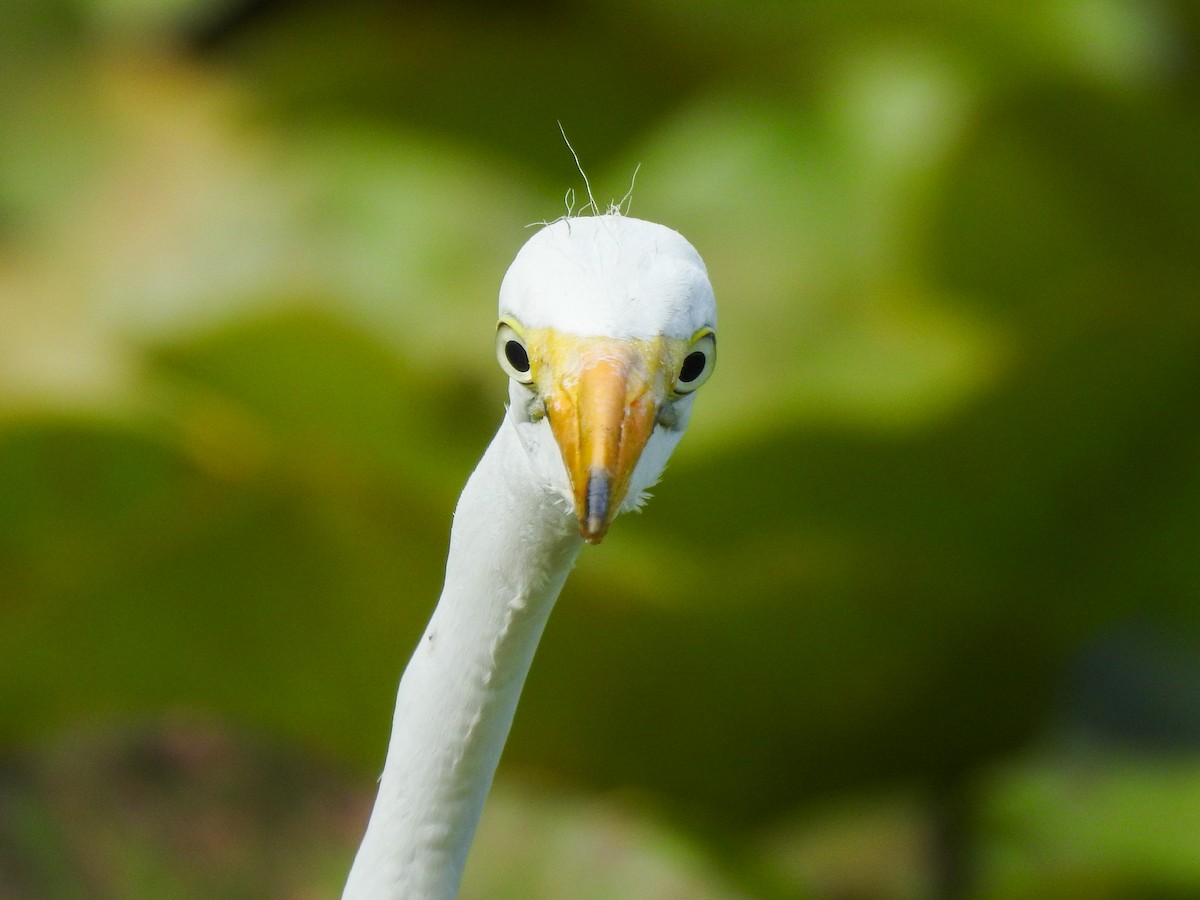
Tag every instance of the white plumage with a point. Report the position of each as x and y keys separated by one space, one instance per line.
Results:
x=609 y=275
x=607 y=325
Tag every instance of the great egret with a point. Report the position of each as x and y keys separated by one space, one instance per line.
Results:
x=607 y=326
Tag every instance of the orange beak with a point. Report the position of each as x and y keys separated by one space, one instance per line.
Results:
x=602 y=412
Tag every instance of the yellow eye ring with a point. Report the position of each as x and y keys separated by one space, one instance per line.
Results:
x=698 y=363
x=512 y=354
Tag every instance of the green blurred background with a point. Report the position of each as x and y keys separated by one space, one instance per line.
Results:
x=914 y=613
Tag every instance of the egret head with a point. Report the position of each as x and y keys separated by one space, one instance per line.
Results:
x=607 y=327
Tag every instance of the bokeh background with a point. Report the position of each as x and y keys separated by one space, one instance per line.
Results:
x=914 y=613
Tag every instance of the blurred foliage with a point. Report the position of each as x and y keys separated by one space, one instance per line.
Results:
x=914 y=613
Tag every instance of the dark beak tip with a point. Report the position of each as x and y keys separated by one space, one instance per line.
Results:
x=593 y=529
x=593 y=523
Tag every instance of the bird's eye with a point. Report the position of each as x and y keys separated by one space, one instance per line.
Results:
x=698 y=363
x=512 y=354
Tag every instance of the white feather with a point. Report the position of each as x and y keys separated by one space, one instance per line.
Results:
x=609 y=275
x=514 y=539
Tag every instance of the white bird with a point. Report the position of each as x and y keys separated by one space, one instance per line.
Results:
x=607 y=326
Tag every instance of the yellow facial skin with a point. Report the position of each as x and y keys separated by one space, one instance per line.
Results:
x=602 y=397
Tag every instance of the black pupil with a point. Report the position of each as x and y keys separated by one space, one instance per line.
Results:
x=693 y=365
x=516 y=356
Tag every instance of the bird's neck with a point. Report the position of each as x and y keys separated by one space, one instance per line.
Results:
x=511 y=547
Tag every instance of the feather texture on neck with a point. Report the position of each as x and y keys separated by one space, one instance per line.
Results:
x=511 y=547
